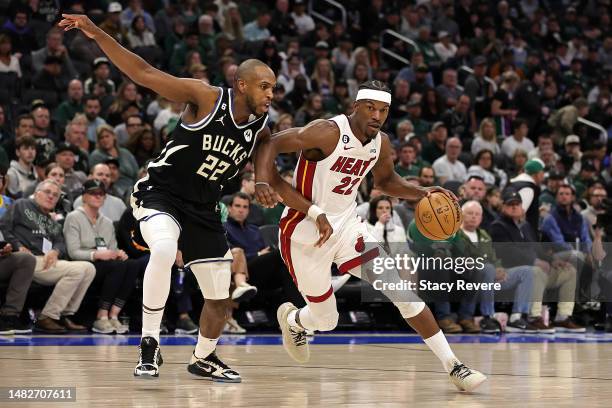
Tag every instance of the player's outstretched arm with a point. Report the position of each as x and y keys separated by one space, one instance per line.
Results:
x=392 y=184
x=175 y=89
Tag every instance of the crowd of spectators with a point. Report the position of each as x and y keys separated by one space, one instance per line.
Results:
x=507 y=103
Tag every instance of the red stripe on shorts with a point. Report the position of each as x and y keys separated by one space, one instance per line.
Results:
x=360 y=260
x=322 y=298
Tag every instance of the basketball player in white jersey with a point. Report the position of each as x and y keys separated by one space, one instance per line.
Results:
x=335 y=156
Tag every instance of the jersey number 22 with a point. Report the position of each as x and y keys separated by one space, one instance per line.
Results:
x=212 y=168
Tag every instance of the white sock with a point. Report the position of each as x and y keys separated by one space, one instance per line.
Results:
x=515 y=316
x=205 y=346
x=560 y=317
x=104 y=318
x=306 y=320
x=438 y=344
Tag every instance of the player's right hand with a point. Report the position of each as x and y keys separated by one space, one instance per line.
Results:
x=266 y=196
x=325 y=230
x=80 y=21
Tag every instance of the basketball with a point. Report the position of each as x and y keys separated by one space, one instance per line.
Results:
x=438 y=216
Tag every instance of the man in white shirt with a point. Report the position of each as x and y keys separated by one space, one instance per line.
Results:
x=448 y=167
x=518 y=140
x=303 y=21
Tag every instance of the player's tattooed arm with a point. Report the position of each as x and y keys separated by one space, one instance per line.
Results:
x=391 y=183
x=186 y=90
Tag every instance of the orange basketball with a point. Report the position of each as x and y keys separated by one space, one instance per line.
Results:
x=438 y=216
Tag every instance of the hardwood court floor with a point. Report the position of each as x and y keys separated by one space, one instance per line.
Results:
x=356 y=375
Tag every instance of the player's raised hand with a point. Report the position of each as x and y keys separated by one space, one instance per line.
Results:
x=80 y=21
x=325 y=230
x=266 y=196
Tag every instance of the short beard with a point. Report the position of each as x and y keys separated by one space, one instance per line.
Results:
x=251 y=104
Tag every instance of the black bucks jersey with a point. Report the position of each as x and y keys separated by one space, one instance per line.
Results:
x=200 y=158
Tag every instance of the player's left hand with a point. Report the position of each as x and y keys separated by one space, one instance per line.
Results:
x=325 y=230
x=433 y=189
x=266 y=196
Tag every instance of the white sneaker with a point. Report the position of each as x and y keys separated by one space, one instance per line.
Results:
x=338 y=281
x=244 y=292
x=120 y=328
x=466 y=379
x=103 y=326
x=232 y=327
x=294 y=338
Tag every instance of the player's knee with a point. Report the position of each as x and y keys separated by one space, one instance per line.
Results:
x=410 y=309
x=163 y=251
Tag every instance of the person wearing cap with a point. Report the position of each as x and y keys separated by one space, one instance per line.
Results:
x=436 y=148
x=29 y=227
x=303 y=22
x=50 y=79
x=527 y=185
x=54 y=47
x=548 y=195
x=449 y=167
x=588 y=173
x=257 y=30
x=572 y=155
x=321 y=51
x=518 y=140
x=515 y=243
x=65 y=156
x=113 y=206
x=90 y=236
x=444 y=47
x=100 y=75
x=112 y=23
x=479 y=90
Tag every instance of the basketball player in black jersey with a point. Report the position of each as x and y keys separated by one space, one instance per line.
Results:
x=178 y=197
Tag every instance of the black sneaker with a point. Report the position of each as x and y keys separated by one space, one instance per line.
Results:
x=7 y=325
x=20 y=326
x=150 y=358
x=213 y=369
x=490 y=325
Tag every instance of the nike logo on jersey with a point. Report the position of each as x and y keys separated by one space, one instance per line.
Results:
x=221 y=120
x=348 y=148
x=350 y=165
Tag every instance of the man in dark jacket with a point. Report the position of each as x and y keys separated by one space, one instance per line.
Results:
x=29 y=227
x=528 y=98
x=548 y=272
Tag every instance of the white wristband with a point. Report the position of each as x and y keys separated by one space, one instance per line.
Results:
x=314 y=212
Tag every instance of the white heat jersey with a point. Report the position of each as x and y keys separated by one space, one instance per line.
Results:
x=331 y=183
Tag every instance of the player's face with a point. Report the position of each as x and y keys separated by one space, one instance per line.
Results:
x=259 y=91
x=370 y=116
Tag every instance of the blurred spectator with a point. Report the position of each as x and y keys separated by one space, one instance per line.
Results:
x=70 y=107
x=45 y=139
x=563 y=120
x=77 y=137
x=518 y=140
x=436 y=148
x=529 y=101
x=484 y=166
x=427 y=176
x=112 y=23
x=9 y=62
x=5 y=201
x=303 y=22
x=29 y=228
x=50 y=79
x=16 y=273
x=363 y=209
x=503 y=107
x=322 y=78
x=54 y=48
x=134 y=123
x=17 y=28
x=444 y=47
x=311 y=110
x=486 y=138
x=24 y=126
x=257 y=30
x=144 y=146
x=92 y=112
x=448 y=167
x=457 y=119
x=479 y=91
x=21 y=173
x=135 y=9
x=65 y=156
x=113 y=206
x=527 y=185
x=380 y=224
x=106 y=148
x=90 y=236
x=596 y=197
x=101 y=77
x=409 y=164
x=447 y=90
